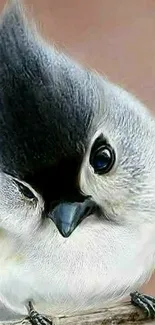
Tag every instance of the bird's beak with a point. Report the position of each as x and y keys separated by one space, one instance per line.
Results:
x=67 y=216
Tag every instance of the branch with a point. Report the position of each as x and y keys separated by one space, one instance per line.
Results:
x=121 y=314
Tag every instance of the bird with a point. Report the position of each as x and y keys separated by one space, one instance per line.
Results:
x=77 y=181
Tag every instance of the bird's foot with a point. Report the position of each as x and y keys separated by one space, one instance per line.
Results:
x=145 y=302
x=35 y=318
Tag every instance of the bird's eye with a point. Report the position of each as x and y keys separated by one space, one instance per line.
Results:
x=25 y=191
x=102 y=159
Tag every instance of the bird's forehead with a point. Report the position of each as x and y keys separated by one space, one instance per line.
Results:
x=43 y=124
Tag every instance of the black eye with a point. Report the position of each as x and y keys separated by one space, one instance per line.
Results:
x=102 y=159
x=25 y=191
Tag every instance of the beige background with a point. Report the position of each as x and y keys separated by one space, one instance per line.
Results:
x=116 y=37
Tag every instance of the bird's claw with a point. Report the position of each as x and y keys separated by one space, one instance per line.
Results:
x=145 y=302
x=35 y=318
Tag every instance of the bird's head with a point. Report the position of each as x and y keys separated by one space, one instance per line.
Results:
x=72 y=144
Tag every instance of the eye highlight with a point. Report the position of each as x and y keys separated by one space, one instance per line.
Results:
x=102 y=157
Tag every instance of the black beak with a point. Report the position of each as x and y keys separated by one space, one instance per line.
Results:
x=67 y=216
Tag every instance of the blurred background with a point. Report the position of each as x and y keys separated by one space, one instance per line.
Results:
x=117 y=38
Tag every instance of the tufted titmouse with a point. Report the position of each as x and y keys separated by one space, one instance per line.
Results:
x=77 y=181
